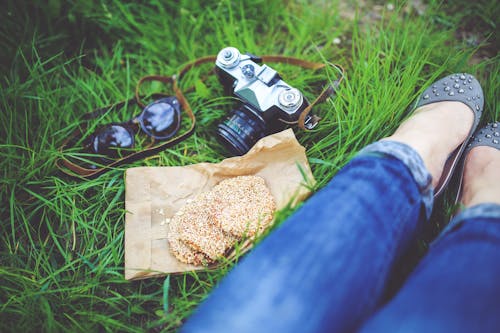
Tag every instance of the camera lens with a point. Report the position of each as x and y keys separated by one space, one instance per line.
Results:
x=240 y=131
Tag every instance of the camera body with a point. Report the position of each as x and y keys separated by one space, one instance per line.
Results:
x=268 y=104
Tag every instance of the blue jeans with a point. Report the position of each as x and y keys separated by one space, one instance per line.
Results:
x=326 y=268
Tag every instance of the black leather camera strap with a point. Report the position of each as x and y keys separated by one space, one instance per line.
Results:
x=76 y=170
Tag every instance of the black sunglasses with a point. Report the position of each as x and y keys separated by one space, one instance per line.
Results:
x=159 y=120
x=109 y=145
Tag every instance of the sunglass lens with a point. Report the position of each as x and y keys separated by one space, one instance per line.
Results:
x=111 y=137
x=161 y=119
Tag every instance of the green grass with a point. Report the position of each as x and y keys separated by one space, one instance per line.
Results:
x=61 y=248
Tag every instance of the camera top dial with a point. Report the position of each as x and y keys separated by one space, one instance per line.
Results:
x=290 y=99
x=228 y=57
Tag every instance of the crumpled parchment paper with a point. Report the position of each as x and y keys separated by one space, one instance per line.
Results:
x=154 y=194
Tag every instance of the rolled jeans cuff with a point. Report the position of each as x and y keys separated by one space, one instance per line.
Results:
x=409 y=157
x=484 y=210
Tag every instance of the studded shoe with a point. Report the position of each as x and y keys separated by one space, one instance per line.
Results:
x=486 y=136
x=455 y=88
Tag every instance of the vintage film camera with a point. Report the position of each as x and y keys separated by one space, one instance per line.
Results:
x=268 y=104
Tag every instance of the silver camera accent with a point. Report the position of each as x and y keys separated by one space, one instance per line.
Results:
x=228 y=57
x=290 y=99
x=258 y=85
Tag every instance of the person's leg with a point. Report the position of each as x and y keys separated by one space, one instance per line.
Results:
x=456 y=286
x=324 y=269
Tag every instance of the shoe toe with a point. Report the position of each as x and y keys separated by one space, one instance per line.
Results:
x=461 y=87
x=486 y=136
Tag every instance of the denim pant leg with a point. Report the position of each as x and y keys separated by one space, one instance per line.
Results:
x=324 y=269
x=456 y=286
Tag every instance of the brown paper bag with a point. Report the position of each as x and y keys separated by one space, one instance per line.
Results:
x=154 y=194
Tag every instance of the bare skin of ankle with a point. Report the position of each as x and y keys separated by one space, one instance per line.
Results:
x=434 y=131
x=481 y=183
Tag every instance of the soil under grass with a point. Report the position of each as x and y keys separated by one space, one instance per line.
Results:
x=61 y=240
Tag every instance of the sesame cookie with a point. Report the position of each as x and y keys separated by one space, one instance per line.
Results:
x=180 y=250
x=205 y=228
x=198 y=229
x=245 y=206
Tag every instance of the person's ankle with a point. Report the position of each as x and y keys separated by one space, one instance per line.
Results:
x=481 y=181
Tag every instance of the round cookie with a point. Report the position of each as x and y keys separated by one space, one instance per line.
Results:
x=198 y=229
x=245 y=206
x=180 y=250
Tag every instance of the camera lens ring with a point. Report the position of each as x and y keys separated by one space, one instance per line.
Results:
x=241 y=130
